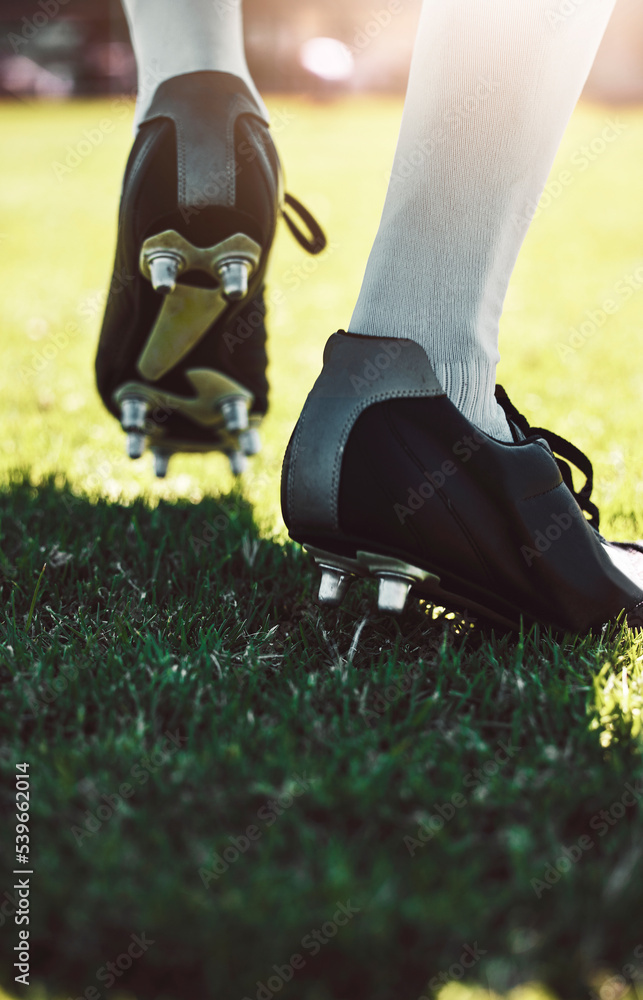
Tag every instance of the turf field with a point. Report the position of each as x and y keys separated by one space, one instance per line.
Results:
x=236 y=795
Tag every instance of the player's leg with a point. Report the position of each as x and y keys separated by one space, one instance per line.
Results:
x=182 y=353
x=491 y=90
x=171 y=38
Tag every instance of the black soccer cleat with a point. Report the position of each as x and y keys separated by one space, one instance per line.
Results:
x=385 y=478
x=202 y=194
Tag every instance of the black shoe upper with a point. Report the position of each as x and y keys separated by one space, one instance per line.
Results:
x=406 y=475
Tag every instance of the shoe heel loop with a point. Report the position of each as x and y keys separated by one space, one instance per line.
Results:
x=312 y=244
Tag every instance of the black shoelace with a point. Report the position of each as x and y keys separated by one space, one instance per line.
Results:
x=564 y=452
x=316 y=242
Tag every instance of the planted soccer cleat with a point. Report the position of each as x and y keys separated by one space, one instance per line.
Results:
x=202 y=194
x=385 y=478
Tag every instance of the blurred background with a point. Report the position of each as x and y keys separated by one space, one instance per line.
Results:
x=58 y=48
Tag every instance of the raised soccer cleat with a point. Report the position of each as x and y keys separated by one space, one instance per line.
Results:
x=183 y=334
x=385 y=479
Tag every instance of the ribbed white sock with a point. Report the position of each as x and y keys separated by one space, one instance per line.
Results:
x=172 y=37
x=491 y=90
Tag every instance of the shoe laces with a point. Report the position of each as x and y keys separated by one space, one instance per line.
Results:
x=564 y=452
x=314 y=243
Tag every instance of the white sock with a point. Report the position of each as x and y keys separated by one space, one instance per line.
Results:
x=491 y=90
x=172 y=37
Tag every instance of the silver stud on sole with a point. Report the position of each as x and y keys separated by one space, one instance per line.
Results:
x=234 y=275
x=338 y=573
x=164 y=270
x=250 y=442
x=219 y=403
x=393 y=593
x=394 y=576
x=238 y=463
x=161 y=462
x=133 y=415
x=135 y=445
x=333 y=586
x=235 y=415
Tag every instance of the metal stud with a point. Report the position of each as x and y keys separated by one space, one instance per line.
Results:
x=133 y=414
x=235 y=415
x=334 y=586
x=135 y=444
x=234 y=275
x=393 y=593
x=161 y=462
x=164 y=270
x=250 y=442
x=238 y=463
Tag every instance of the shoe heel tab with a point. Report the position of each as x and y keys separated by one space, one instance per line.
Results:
x=204 y=108
x=358 y=372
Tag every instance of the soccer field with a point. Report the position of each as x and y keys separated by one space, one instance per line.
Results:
x=406 y=805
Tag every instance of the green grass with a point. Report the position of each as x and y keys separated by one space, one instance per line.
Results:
x=180 y=607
